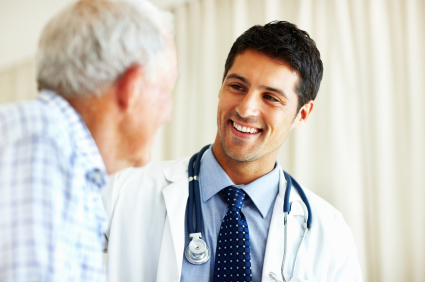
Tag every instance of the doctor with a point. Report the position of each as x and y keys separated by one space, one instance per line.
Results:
x=271 y=78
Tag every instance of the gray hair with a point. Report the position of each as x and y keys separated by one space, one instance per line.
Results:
x=90 y=44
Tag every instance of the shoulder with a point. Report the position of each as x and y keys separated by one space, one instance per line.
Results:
x=336 y=239
x=30 y=119
x=153 y=173
x=148 y=180
x=326 y=219
x=325 y=211
x=329 y=225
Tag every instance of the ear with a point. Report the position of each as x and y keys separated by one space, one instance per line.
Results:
x=303 y=114
x=129 y=86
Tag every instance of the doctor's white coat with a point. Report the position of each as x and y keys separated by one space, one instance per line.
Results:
x=146 y=208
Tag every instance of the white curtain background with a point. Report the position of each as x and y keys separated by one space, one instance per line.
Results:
x=363 y=148
x=17 y=82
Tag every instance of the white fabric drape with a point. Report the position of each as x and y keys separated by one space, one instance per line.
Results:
x=363 y=147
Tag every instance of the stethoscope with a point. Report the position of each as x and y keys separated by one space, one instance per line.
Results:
x=198 y=252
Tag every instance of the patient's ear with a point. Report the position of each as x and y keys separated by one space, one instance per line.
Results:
x=129 y=87
x=303 y=114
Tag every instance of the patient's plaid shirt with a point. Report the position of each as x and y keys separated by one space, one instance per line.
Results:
x=51 y=176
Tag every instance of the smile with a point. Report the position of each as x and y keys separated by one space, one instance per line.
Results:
x=244 y=129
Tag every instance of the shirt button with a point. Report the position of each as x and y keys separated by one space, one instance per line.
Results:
x=176 y=274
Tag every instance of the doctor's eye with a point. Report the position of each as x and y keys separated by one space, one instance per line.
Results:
x=237 y=87
x=271 y=98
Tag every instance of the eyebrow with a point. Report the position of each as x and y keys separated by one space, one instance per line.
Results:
x=241 y=78
x=246 y=81
x=274 y=90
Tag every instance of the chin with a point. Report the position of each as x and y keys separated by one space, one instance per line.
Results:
x=239 y=156
x=141 y=161
x=238 y=153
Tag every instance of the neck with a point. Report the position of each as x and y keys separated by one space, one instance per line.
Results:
x=243 y=172
x=96 y=113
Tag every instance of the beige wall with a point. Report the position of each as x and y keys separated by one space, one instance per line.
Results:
x=17 y=82
x=21 y=22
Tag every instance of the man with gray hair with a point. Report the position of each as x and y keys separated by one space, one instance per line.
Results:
x=105 y=70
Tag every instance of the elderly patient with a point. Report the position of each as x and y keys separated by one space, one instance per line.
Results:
x=105 y=72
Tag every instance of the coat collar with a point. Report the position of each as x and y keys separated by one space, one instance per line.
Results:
x=262 y=191
x=298 y=207
x=177 y=171
x=275 y=241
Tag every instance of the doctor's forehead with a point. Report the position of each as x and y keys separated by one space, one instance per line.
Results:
x=257 y=60
x=254 y=67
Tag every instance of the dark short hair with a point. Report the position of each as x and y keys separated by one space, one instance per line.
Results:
x=284 y=41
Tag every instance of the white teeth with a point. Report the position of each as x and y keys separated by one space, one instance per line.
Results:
x=244 y=128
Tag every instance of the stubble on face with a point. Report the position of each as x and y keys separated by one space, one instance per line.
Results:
x=275 y=114
x=257 y=150
x=231 y=150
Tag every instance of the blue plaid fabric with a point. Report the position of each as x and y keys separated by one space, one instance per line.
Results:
x=51 y=175
x=233 y=255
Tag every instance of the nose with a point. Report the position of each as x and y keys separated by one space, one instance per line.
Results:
x=249 y=105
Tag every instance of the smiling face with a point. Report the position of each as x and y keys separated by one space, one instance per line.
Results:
x=257 y=108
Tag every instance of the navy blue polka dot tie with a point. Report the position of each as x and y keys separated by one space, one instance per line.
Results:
x=233 y=258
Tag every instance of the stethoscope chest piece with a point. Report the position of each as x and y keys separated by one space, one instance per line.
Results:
x=197 y=252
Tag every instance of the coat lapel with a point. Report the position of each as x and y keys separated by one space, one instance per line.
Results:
x=175 y=197
x=275 y=242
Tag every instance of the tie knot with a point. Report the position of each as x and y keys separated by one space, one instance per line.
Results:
x=234 y=197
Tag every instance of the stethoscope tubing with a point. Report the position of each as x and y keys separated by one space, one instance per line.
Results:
x=194 y=192
x=286 y=206
x=194 y=203
x=190 y=200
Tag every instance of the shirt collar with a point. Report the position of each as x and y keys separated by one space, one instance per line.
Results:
x=85 y=147
x=262 y=191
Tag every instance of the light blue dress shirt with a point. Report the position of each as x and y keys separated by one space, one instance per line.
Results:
x=257 y=207
x=51 y=175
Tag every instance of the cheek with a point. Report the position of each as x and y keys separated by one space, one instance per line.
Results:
x=163 y=107
x=225 y=104
x=157 y=99
x=284 y=127
x=277 y=122
x=168 y=112
x=222 y=113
